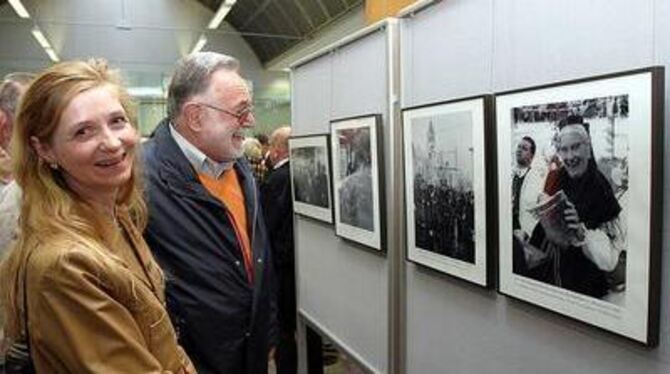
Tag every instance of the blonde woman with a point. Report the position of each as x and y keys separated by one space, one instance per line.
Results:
x=93 y=297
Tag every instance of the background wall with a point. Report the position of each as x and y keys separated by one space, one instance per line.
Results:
x=142 y=38
x=460 y=48
x=343 y=286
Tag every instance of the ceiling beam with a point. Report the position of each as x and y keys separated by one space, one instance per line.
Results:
x=304 y=14
x=255 y=14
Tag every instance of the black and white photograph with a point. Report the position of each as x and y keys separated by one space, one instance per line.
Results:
x=445 y=187
x=357 y=179
x=571 y=157
x=310 y=176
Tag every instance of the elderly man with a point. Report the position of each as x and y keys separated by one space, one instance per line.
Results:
x=592 y=237
x=205 y=223
x=11 y=88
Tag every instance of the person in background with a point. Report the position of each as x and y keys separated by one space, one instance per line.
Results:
x=80 y=288
x=278 y=209
x=206 y=225
x=11 y=88
x=254 y=154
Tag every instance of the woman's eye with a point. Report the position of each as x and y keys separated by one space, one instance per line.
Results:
x=120 y=120
x=82 y=132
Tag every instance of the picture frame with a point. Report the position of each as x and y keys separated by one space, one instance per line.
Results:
x=447 y=154
x=310 y=176
x=358 y=193
x=565 y=220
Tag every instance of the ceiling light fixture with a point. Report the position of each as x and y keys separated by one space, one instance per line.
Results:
x=19 y=8
x=226 y=6
x=201 y=43
x=44 y=43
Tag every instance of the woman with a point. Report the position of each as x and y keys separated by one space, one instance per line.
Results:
x=93 y=293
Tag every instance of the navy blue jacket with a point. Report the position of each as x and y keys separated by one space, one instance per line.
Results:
x=225 y=324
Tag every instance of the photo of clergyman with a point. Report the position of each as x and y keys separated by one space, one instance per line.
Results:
x=569 y=194
x=442 y=157
x=310 y=178
x=355 y=178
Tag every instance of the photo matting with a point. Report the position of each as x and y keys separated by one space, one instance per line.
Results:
x=579 y=193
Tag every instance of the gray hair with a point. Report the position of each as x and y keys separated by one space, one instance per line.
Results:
x=192 y=75
x=578 y=129
x=10 y=90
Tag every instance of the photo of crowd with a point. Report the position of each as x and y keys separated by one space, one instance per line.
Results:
x=310 y=175
x=444 y=212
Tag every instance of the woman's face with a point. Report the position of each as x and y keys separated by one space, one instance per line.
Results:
x=93 y=144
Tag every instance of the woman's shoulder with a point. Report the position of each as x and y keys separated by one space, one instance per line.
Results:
x=60 y=256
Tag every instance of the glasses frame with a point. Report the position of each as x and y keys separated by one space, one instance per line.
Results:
x=241 y=117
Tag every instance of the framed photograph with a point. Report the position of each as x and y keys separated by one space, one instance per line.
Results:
x=357 y=180
x=446 y=187
x=580 y=199
x=310 y=176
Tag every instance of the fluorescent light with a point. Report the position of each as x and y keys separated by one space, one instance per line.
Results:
x=225 y=7
x=52 y=54
x=37 y=33
x=19 y=8
x=201 y=43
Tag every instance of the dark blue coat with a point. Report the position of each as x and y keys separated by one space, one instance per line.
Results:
x=225 y=324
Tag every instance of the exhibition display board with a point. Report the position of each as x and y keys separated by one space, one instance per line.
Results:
x=453 y=326
x=415 y=304
x=343 y=280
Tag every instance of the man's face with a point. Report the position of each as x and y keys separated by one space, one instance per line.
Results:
x=575 y=152
x=7 y=121
x=225 y=116
x=524 y=153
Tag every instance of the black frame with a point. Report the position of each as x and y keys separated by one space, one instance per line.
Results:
x=489 y=194
x=655 y=184
x=377 y=150
x=303 y=212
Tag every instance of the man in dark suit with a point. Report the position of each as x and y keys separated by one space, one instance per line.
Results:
x=278 y=211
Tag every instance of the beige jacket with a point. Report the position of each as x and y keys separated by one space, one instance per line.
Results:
x=90 y=313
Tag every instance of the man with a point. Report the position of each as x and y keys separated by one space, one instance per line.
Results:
x=526 y=192
x=278 y=209
x=205 y=224
x=588 y=217
x=12 y=87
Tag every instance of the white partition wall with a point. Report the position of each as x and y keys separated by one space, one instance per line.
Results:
x=343 y=288
x=460 y=48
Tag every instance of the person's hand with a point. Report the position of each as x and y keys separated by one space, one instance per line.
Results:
x=271 y=355
x=574 y=224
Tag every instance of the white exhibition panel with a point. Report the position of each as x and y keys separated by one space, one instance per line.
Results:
x=343 y=287
x=461 y=48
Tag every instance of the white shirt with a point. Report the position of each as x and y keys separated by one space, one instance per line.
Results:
x=280 y=163
x=200 y=162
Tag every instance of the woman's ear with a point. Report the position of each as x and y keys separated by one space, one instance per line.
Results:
x=43 y=150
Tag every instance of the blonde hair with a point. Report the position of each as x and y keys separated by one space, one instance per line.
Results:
x=50 y=210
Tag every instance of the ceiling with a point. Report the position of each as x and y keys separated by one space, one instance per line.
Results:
x=271 y=27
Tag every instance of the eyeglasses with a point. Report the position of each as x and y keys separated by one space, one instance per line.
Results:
x=241 y=116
